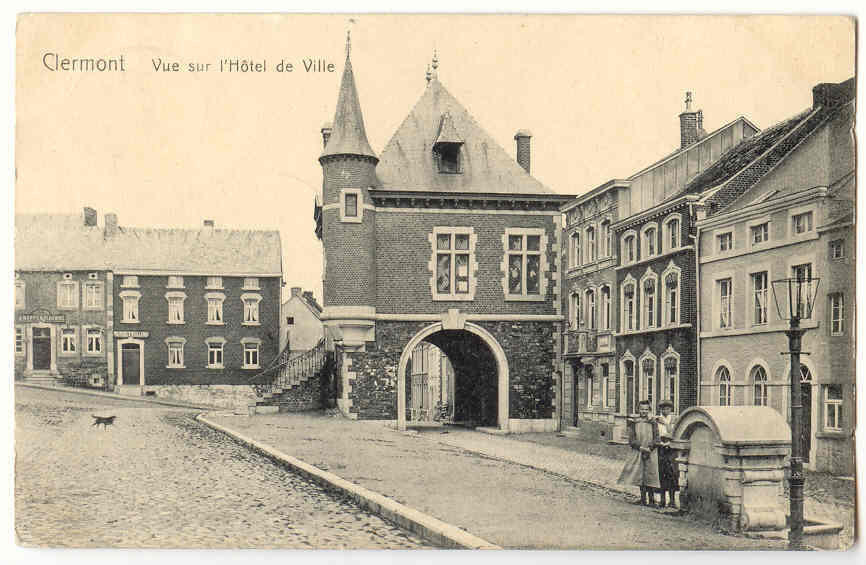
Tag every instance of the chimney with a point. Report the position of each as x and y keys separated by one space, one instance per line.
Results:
x=208 y=224
x=110 y=225
x=828 y=94
x=523 y=138
x=327 y=128
x=89 y=216
x=296 y=291
x=691 y=124
x=308 y=294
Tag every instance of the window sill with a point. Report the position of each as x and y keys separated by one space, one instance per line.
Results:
x=212 y=288
x=175 y=323
x=215 y=323
x=173 y=287
x=214 y=367
x=175 y=366
x=124 y=286
x=832 y=434
x=251 y=324
x=521 y=298
x=130 y=322
x=72 y=354
x=67 y=307
x=257 y=288
x=452 y=298
x=93 y=308
x=250 y=367
x=99 y=354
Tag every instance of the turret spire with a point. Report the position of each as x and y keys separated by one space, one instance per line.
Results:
x=348 y=43
x=348 y=136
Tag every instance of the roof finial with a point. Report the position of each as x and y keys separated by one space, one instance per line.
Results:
x=429 y=75
x=348 y=43
x=435 y=73
x=688 y=100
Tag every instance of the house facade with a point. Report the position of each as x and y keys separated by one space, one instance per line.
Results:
x=444 y=238
x=63 y=309
x=300 y=323
x=785 y=212
x=630 y=287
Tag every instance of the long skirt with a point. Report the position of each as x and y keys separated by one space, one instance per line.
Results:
x=669 y=473
x=641 y=472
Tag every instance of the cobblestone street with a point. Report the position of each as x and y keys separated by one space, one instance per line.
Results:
x=158 y=478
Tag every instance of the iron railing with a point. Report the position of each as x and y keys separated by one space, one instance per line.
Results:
x=290 y=370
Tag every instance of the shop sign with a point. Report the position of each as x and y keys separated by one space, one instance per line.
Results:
x=41 y=316
x=124 y=333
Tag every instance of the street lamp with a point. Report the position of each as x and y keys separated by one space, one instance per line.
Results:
x=794 y=298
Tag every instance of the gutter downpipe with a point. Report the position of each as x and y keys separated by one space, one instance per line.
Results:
x=697 y=244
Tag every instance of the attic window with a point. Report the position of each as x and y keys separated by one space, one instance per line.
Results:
x=448 y=158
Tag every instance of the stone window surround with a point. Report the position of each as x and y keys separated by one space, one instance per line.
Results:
x=628 y=357
x=64 y=330
x=68 y=281
x=748 y=284
x=606 y=308
x=473 y=263
x=218 y=340
x=755 y=222
x=666 y=232
x=717 y=301
x=213 y=282
x=831 y=299
x=129 y=281
x=132 y=296
x=626 y=236
x=827 y=403
x=85 y=334
x=251 y=283
x=543 y=266
x=644 y=247
x=729 y=388
x=254 y=298
x=359 y=195
x=590 y=240
x=671 y=353
x=749 y=379
x=219 y=298
x=605 y=238
x=169 y=341
x=176 y=295
x=575 y=253
x=795 y=260
x=93 y=284
x=628 y=280
x=251 y=341
x=796 y=211
x=666 y=321
x=174 y=281
x=643 y=388
x=717 y=241
x=644 y=320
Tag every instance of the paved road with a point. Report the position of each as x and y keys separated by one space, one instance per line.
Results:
x=157 y=478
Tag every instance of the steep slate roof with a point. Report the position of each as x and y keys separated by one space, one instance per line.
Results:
x=407 y=161
x=51 y=242
x=348 y=136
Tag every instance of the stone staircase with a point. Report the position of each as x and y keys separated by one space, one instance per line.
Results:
x=292 y=383
x=43 y=378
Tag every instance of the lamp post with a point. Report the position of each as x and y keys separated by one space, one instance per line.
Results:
x=794 y=298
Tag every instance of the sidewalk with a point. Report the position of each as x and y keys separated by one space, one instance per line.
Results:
x=551 y=498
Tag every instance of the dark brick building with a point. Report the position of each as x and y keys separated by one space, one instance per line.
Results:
x=446 y=239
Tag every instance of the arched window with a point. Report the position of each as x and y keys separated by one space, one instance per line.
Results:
x=605 y=307
x=759 y=378
x=631 y=397
x=628 y=249
x=648 y=375
x=650 y=242
x=575 y=249
x=590 y=309
x=628 y=307
x=649 y=302
x=672 y=300
x=575 y=310
x=605 y=237
x=724 y=378
x=673 y=233
x=671 y=383
x=590 y=245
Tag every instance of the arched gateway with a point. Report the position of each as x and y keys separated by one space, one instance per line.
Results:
x=457 y=345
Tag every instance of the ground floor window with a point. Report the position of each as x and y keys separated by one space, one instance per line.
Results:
x=833 y=407
x=251 y=355
x=648 y=370
x=175 y=353
x=215 y=355
x=68 y=340
x=94 y=341
x=724 y=378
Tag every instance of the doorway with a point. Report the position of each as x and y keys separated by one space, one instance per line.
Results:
x=41 y=349
x=130 y=364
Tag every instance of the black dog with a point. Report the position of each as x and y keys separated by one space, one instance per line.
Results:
x=104 y=420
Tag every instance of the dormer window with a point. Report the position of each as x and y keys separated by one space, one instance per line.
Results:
x=447 y=147
x=448 y=157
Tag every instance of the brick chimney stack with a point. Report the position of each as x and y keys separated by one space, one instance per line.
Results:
x=296 y=291
x=691 y=124
x=327 y=128
x=110 y=225
x=89 y=217
x=523 y=138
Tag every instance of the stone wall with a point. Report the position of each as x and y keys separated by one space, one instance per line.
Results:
x=220 y=396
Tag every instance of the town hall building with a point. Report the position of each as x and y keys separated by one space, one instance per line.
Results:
x=441 y=238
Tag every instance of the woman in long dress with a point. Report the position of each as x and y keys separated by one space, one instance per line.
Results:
x=642 y=467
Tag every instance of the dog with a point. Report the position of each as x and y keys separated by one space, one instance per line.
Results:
x=104 y=420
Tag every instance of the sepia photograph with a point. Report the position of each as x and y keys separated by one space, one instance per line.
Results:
x=428 y=281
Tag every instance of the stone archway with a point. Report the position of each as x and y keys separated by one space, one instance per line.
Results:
x=484 y=336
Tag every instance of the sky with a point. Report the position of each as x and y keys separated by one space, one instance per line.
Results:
x=601 y=95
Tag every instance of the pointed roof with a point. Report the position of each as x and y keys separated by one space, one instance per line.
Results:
x=407 y=162
x=348 y=136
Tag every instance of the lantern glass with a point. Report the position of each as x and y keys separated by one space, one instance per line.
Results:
x=795 y=297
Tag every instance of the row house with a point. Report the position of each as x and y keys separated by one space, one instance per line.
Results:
x=444 y=239
x=62 y=309
x=191 y=315
x=629 y=283
x=782 y=206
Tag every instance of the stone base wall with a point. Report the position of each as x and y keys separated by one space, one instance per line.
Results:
x=302 y=397
x=220 y=396
x=369 y=386
x=834 y=455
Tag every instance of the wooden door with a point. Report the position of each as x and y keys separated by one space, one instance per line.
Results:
x=130 y=360
x=41 y=349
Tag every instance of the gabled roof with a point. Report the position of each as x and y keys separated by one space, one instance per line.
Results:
x=216 y=251
x=46 y=242
x=54 y=242
x=348 y=136
x=407 y=162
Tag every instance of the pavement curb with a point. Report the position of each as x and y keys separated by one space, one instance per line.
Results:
x=426 y=526
x=115 y=396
